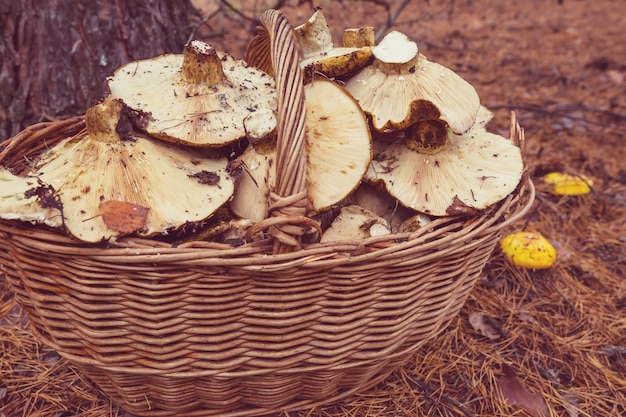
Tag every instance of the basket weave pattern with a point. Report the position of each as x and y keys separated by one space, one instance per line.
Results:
x=205 y=329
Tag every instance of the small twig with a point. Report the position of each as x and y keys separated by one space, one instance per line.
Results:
x=391 y=19
x=429 y=389
x=232 y=8
x=568 y=302
x=202 y=21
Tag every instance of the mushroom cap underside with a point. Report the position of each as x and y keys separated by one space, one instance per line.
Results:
x=389 y=96
x=27 y=199
x=477 y=169
x=355 y=223
x=175 y=185
x=338 y=144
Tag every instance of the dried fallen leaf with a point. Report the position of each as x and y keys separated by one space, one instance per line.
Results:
x=122 y=216
x=206 y=177
x=515 y=393
x=616 y=76
x=528 y=318
x=484 y=325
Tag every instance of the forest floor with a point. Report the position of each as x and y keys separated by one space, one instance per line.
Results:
x=557 y=345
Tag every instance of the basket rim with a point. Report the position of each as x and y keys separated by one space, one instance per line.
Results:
x=134 y=250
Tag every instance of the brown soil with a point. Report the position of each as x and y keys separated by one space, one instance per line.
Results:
x=560 y=332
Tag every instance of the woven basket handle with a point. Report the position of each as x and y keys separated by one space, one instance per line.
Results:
x=273 y=50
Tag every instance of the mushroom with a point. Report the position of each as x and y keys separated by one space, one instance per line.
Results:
x=355 y=223
x=358 y=37
x=483 y=117
x=528 y=250
x=338 y=144
x=338 y=147
x=28 y=200
x=199 y=98
x=415 y=222
x=567 y=184
x=379 y=202
x=320 y=56
x=111 y=182
x=402 y=87
x=471 y=172
x=255 y=179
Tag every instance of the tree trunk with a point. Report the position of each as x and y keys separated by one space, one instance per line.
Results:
x=56 y=54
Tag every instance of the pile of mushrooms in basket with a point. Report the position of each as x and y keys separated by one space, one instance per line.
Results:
x=183 y=147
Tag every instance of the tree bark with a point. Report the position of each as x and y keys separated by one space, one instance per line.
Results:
x=56 y=54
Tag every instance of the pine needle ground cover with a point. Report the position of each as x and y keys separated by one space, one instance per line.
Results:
x=527 y=342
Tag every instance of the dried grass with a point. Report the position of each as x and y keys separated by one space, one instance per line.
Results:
x=562 y=330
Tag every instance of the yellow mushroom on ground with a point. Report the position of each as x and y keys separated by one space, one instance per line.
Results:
x=528 y=250
x=567 y=184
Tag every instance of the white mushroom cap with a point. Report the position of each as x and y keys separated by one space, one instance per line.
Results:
x=397 y=88
x=475 y=170
x=396 y=49
x=175 y=185
x=338 y=147
x=199 y=98
x=25 y=199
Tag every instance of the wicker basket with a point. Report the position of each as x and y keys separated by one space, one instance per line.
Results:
x=205 y=329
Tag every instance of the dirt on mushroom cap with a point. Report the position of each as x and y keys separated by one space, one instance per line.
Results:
x=27 y=199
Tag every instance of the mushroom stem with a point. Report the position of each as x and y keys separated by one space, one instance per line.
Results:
x=101 y=120
x=428 y=136
x=314 y=36
x=396 y=54
x=201 y=64
x=358 y=37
